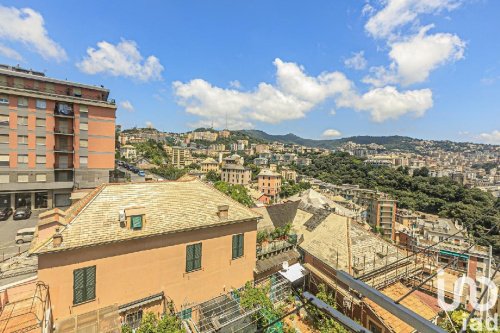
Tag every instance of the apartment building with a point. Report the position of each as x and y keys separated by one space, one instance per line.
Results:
x=381 y=213
x=209 y=164
x=269 y=184
x=55 y=136
x=129 y=152
x=236 y=174
x=106 y=242
x=180 y=157
x=288 y=174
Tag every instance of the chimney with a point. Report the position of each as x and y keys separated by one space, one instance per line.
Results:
x=222 y=212
x=57 y=239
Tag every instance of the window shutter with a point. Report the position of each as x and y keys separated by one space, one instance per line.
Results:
x=189 y=258
x=198 y=256
x=90 y=283
x=78 y=286
x=241 y=245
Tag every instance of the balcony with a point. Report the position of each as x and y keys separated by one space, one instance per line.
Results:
x=64 y=110
x=63 y=130
x=63 y=166
x=60 y=148
x=63 y=175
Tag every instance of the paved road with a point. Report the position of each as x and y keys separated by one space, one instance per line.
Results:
x=8 y=230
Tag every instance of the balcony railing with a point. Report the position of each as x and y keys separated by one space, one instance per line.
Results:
x=63 y=130
x=64 y=148
x=63 y=166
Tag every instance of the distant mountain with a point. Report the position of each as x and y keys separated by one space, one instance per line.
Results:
x=390 y=142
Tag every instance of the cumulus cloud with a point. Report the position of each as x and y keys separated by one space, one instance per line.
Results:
x=292 y=97
x=122 y=59
x=27 y=26
x=357 y=61
x=398 y=13
x=127 y=106
x=389 y=103
x=492 y=137
x=235 y=84
x=331 y=133
x=413 y=58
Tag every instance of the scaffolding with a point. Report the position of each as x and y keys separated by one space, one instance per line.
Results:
x=103 y=320
x=25 y=307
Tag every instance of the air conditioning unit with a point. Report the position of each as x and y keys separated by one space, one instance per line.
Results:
x=284 y=265
x=121 y=217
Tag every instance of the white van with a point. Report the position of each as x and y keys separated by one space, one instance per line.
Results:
x=25 y=235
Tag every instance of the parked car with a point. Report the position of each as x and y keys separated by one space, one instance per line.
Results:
x=5 y=213
x=25 y=235
x=141 y=173
x=22 y=213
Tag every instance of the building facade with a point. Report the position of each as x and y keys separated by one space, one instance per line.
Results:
x=236 y=174
x=191 y=252
x=381 y=213
x=269 y=184
x=55 y=136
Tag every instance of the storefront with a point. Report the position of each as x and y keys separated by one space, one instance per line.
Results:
x=31 y=199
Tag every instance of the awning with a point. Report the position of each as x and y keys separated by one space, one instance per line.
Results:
x=454 y=254
x=140 y=302
x=294 y=273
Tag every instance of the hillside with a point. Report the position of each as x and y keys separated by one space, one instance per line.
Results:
x=390 y=142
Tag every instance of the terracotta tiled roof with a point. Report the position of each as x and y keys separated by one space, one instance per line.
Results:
x=412 y=302
x=170 y=207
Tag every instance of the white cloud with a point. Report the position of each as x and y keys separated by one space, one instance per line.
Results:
x=123 y=59
x=127 y=106
x=292 y=97
x=149 y=124
x=27 y=27
x=10 y=53
x=398 y=13
x=388 y=103
x=413 y=58
x=357 y=61
x=235 y=84
x=331 y=133
x=492 y=137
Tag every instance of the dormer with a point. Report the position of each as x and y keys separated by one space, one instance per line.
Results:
x=133 y=218
x=49 y=222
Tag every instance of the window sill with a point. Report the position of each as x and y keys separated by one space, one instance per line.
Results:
x=85 y=302
x=194 y=271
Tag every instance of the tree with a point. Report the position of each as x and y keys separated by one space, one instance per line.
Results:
x=321 y=321
x=212 y=176
x=236 y=192
x=169 y=172
x=151 y=324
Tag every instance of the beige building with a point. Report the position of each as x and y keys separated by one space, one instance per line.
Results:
x=209 y=164
x=381 y=213
x=129 y=152
x=180 y=157
x=236 y=174
x=288 y=174
x=269 y=184
x=139 y=245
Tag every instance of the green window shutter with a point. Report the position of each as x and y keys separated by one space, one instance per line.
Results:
x=78 y=286
x=189 y=258
x=241 y=245
x=197 y=256
x=136 y=221
x=237 y=246
x=90 y=283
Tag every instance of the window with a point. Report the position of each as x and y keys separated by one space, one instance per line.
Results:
x=4 y=138
x=136 y=222
x=41 y=159
x=40 y=140
x=40 y=122
x=193 y=257
x=22 y=139
x=22 y=178
x=41 y=104
x=41 y=200
x=49 y=87
x=22 y=101
x=84 y=126
x=84 y=143
x=22 y=159
x=41 y=177
x=18 y=82
x=4 y=179
x=84 y=108
x=22 y=120
x=84 y=285
x=4 y=160
x=84 y=160
x=134 y=319
x=77 y=92
x=3 y=80
x=374 y=328
x=4 y=120
x=4 y=99
x=238 y=243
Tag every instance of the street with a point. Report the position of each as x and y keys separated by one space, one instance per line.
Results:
x=8 y=230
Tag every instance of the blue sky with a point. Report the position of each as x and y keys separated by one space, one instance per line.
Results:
x=422 y=68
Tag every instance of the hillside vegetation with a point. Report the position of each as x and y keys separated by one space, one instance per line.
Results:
x=478 y=210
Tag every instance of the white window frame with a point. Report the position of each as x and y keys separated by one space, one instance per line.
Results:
x=39 y=159
x=22 y=159
x=22 y=142
x=23 y=178
x=84 y=143
x=41 y=177
x=44 y=107
x=21 y=98
x=84 y=160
